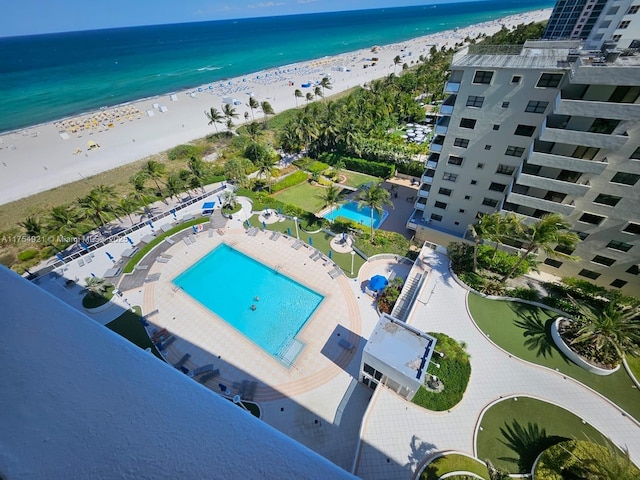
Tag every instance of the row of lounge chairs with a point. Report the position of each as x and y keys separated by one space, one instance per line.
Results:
x=336 y=272
x=247 y=389
x=252 y=232
x=275 y=236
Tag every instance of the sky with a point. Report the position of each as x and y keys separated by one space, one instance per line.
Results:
x=29 y=17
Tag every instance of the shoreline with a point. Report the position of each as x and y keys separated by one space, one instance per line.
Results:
x=48 y=155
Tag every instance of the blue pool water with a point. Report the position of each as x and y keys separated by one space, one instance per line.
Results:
x=363 y=216
x=227 y=283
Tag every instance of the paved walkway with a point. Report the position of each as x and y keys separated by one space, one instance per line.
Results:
x=398 y=435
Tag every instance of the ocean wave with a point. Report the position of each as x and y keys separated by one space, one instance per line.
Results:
x=208 y=68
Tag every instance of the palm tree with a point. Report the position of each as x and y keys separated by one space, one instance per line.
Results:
x=265 y=166
x=32 y=227
x=174 y=185
x=253 y=103
x=309 y=97
x=66 y=222
x=229 y=199
x=267 y=110
x=126 y=206
x=479 y=232
x=551 y=229
x=330 y=197
x=375 y=197
x=140 y=194
x=297 y=94
x=233 y=170
x=325 y=83
x=253 y=130
x=96 y=286
x=230 y=113
x=318 y=92
x=396 y=61
x=98 y=204
x=613 y=331
x=155 y=171
x=215 y=117
x=196 y=169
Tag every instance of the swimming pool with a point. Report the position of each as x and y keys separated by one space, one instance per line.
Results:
x=228 y=283
x=362 y=216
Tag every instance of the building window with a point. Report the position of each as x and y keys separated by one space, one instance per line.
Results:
x=482 y=76
x=585 y=153
x=616 y=38
x=467 y=197
x=516 y=79
x=632 y=228
x=490 y=202
x=617 y=283
x=505 y=104
x=455 y=160
x=633 y=9
x=449 y=177
x=445 y=191
x=525 y=130
x=604 y=199
x=514 y=151
x=461 y=142
x=480 y=165
x=468 y=123
x=435 y=217
x=589 y=274
x=549 y=80
x=497 y=187
x=625 y=178
x=496 y=127
x=487 y=147
x=624 y=24
x=552 y=262
x=581 y=235
x=606 y=261
x=461 y=210
x=474 y=182
x=636 y=154
x=622 y=246
x=604 y=125
x=441 y=205
x=633 y=269
x=535 y=106
x=563 y=249
x=505 y=169
x=591 y=218
x=473 y=101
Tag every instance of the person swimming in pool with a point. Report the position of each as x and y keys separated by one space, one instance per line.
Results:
x=253 y=307
x=257 y=298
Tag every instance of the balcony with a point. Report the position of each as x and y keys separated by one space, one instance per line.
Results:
x=436 y=143
x=442 y=126
x=543 y=183
x=588 y=108
x=447 y=106
x=539 y=203
x=567 y=163
x=420 y=205
x=416 y=220
x=431 y=164
x=588 y=139
x=452 y=87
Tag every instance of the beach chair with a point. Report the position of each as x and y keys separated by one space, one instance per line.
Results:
x=182 y=361
x=166 y=255
x=170 y=241
x=203 y=369
x=166 y=343
x=187 y=240
x=162 y=259
x=89 y=259
x=80 y=262
x=210 y=230
x=141 y=267
x=209 y=375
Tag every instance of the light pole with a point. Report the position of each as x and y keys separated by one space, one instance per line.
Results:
x=295 y=220
x=353 y=255
x=238 y=401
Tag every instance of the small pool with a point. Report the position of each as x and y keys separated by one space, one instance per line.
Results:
x=228 y=283
x=363 y=216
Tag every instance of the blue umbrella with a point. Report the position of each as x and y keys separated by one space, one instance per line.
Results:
x=60 y=257
x=288 y=231
x=109 y=255
x=93 y=274
x=173 y=212
x=311 y=241
x=378 y=282
x=264 y=225
x=246 y=222
x=84 y=246
x=130 y=241
x=330 y=254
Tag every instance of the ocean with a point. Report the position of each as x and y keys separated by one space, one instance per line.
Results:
x=51 y=76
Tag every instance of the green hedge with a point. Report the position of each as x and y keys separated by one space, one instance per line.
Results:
x=414 y=169
x=295 y=178
x=185 y=151
x=376 y=169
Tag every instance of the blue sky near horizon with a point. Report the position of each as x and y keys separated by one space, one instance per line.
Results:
x=30 y=17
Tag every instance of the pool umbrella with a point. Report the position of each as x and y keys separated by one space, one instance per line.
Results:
x=378 y=282
x=330 y=256
x=150 y=223
x=130 y=241
x=264 y=225
x=84 y=246
x=173 y=212
x=60 y=257
x=289 y=231
x=310 y=241
x=109 y=255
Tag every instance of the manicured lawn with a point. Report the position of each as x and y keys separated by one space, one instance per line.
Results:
x=320 y=241
x=514 y=433
x=634 y=365
x=128 y=325
x=454 y=463
x=304 y=195
x=355 y=179
x=524 y=331
x=95 y=300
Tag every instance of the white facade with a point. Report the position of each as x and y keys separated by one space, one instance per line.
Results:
x=544 y=128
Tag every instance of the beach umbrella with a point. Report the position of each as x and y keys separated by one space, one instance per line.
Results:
x=173 y=212
x=289 y=231
x=130 y=241
x=344 y=237
x=109 y=255
x=310 y=241
x=330 y=254
x=264 y=225
x=60 y=257
x=93 y=274
x=84 y=246
x=378 y=282
x=246 y=222
x=150 y=223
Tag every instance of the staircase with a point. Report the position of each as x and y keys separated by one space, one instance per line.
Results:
x=405 y=300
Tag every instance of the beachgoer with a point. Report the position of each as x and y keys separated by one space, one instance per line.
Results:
x=253 y=307
x=257 y=298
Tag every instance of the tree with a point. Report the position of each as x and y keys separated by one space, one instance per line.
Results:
x=325 y=83
x=215 y=117
x=32 y=226
x=267 y=110
x=552 y=229
x=174 y=185
x=318 y=92
x=309 y=97
x=155 y=171
x=234 y=171
x=297 y=94
x=396 y=61
x=230 y=113
x=67 y=223
x=140 y=195
x=330 y=197
x=229 y=199
x=375 y=197
x=495 y=227
x=612 y=332
x=253 y=103
x=253 y=130
x=126 y=206
x=265 y=166
x=478 y=232
x=96 y=286
x=98 y=204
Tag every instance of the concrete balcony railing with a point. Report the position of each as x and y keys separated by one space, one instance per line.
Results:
x=587 y=108
x=567 y=163
x=452 y=87
x=543 y=183
x=435 y=147
x=588 y=139
x=540 y=203
x=431 y=164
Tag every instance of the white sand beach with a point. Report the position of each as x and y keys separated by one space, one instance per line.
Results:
x=49 y=155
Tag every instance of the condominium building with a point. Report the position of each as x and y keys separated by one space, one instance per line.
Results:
x=595 y=21
x=535 y=129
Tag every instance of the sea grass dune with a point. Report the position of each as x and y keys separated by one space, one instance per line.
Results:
x=51 y=154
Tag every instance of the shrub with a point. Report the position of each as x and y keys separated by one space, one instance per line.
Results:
x=523 y=293
x=376 y=169
x=317 y=167
x=184 y=151
x=493 y=286
x=473 y=280
x=561 y=304
x=414 y=169
x=27 y=254
x=390 y=295
x=295 y=178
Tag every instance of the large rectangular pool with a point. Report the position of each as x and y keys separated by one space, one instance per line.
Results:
x=362 y=216
x=231 y=284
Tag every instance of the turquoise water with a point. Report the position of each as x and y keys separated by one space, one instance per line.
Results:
x=363 y=216
x=227 y=282
x=47 y=77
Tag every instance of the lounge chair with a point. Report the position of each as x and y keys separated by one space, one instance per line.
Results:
x=166 y=343
x=170 y=241
x=203 y=369
x=210 y=230
x=141 y=267
x=80 y=262
x=209 y=375
x=346 y=345
x=187 y=240
x=162 y=259
x=182 y=361
x=89 y=259
x=154 y=277
x=166 y=255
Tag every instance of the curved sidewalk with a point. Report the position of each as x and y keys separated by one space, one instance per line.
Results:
x=398 y=435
